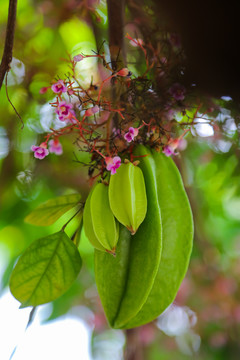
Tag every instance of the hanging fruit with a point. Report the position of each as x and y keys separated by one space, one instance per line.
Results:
x=127 y=196
x=100 y=225
x=143 y=279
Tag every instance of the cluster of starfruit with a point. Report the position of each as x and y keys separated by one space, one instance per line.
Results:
x=124 y=201
x=144 y=219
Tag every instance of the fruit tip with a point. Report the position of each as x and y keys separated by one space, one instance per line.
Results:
x=112 y=252
x=132 y=231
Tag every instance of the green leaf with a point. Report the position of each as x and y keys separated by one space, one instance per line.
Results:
x=46 y=270
x=127 y=196
x=177 y=226
x=125 y=281
x=50 y=211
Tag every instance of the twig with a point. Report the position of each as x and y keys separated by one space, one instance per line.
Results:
x=17 y=113
x=30 y=320
x=64 y=226
x=8 y=46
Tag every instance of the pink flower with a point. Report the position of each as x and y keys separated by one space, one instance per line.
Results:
x=41 y=151
x=91 y=111
x=177 y=91
x=65 y=111
x=113 y=164
x=78 y=57
x=131 y=134
x=55 y=147
x=124 y=72
x=59 y=87
x=171 y=147
x=168 y=151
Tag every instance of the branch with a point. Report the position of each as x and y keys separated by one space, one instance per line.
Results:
x=115 y=30
x=116 y=20
x=8 y=47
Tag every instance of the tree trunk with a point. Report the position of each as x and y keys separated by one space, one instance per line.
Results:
x=134 y=348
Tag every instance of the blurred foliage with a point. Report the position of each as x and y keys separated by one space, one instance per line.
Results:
x=46 y=33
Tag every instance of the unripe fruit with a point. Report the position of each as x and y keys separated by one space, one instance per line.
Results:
x=105 y=227
x=142 y=280
x=88 y=226
x=127 y=196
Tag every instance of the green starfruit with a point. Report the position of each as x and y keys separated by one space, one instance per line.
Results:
x=143 y=280
x=105 y=226
x=127 y=196
x=125 y=281
x=88 y=226
x=100 y=226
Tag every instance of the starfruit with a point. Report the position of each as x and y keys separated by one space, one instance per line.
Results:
x=143 y=279
x=100 y=226
x=124 y=282
x=105 y=226
x=127 y=196
x=88 y=226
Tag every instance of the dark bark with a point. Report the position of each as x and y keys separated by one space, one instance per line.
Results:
x=9 y=39
x=134 y=348
x=116 y=21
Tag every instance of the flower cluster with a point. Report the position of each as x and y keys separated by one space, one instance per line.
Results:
x=108 y=128
x=41 y=151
